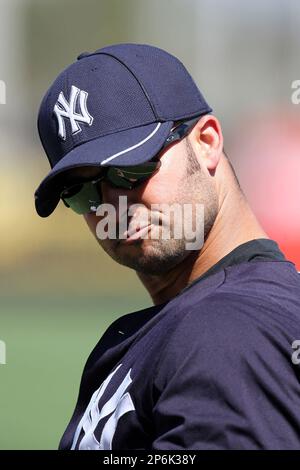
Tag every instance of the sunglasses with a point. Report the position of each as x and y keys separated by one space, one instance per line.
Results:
x=86 y=197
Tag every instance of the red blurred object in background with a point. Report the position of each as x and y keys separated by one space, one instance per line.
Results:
x=265 y=151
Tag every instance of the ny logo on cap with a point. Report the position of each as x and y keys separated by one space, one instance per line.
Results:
x=63 y=109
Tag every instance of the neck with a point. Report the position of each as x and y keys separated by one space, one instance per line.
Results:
x=235 y=224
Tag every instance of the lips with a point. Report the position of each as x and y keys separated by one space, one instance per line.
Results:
x=137 y=233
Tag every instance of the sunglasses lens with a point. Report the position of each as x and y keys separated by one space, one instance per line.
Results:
x=82 y=198
x=130 y=176
x=86 y=197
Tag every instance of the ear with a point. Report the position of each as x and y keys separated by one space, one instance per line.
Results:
x=208 y=138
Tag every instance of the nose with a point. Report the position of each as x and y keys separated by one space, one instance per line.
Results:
x=110 y=193
x=134 y=200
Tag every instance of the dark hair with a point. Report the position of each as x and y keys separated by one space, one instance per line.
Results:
x=193 y=164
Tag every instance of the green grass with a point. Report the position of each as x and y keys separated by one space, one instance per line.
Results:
x=47 y=344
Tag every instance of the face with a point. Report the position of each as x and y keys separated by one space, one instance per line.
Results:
x=180 y=180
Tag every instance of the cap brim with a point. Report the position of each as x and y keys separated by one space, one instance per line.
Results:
x=124 y=148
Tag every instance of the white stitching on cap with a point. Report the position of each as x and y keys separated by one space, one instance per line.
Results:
x=133 y=147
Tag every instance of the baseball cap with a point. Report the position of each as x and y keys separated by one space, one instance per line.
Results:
x=112 y=107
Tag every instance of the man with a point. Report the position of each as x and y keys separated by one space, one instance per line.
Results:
x=209 y=365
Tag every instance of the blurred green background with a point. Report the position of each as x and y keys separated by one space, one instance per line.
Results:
x=58 y=291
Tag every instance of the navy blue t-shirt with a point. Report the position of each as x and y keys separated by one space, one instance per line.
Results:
x=209 y=369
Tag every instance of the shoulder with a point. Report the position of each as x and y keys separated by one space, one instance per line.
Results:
x=216 y=315
x=216 y=318
x=220 y=335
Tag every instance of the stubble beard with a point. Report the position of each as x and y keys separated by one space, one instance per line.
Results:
x=157 y=256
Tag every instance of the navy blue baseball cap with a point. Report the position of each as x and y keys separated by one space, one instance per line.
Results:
x=112 y=107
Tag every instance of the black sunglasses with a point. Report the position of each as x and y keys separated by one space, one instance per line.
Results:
x=86 y=197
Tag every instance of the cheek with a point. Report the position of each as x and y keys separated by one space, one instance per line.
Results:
x=163 y=187
x=157 y=192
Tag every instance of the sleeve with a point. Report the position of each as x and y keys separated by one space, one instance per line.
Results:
x=208 y=383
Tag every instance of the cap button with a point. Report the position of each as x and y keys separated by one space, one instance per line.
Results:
x=82 y=55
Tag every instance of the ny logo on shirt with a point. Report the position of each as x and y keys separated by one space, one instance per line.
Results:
x=119 y=404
